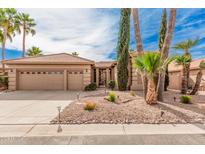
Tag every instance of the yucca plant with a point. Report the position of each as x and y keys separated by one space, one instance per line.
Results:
x=149 y=64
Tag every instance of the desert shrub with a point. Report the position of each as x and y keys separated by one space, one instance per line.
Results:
x=89 y=106
x=111 y=97
x=111 y=84
x=185 y=99
x=132 y=93
x=4 y=80
x=91 y=87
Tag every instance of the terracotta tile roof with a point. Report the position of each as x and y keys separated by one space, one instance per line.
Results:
x=61 y=58
x=105 y=64
x=194 y=65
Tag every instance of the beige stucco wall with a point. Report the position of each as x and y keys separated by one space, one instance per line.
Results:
x=175 y=79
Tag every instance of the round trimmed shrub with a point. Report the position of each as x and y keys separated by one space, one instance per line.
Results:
x=91 y=87
x=111 y=84
x=185 y=99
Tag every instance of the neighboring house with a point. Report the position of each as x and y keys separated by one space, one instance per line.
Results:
x=175 y=75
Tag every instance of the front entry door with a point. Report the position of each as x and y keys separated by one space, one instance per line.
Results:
x=102 y=77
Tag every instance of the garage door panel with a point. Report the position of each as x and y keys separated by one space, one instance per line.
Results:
x=40 y=81
x=75 y=81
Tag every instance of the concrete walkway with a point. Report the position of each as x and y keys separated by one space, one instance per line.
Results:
x=103 y=134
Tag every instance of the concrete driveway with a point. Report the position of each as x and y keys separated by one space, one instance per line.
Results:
x=32 y=107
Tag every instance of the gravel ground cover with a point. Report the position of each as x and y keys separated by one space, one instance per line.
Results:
x=133 y=109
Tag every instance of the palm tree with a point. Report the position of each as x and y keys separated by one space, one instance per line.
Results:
x=165 y=51
x=183 y=60
x=139 y=46
x=75 y=53
x=149 y=64
x=137 y=29
x=27 y=25
x=8 y=25
x=186 y=45
x=198 y=78
x=34 y=51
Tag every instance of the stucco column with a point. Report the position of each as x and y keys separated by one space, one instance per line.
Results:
x=107 y=75
x=65 y=73
x=97 y=77
x=12 y=74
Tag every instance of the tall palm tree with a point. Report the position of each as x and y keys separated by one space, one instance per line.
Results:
x=8 y=25
x=137 y=29
x=34 y=51
x=186 y=45
x=139 y=46
x=184 y=60
x=27 y=24
x=165 y=51
x=149 y=64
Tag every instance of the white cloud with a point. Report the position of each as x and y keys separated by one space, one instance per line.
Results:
x=87 y=31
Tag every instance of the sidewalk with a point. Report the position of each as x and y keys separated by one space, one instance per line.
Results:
x=103 y=133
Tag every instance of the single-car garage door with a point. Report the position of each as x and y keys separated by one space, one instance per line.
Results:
x=75 y=80
x=28 y=80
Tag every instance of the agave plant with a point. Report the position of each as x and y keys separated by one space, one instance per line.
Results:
x=149 y=64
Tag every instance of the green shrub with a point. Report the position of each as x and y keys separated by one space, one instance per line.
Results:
x=111 y=97
x=132 y=93
x=91 y=87
x=89 y=106
x=185 y=99
x=4 y=80
x=111 y=84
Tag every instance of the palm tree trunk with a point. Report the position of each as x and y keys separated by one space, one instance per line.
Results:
x=197 y=84
x=184 y=80
x=188 y=69
x=165 y=51
x=24 y=39
x=137 y=29
x=3 y=48
x=151 y=97
x=139 y=45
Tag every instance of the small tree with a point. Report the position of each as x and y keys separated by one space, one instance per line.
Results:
x=122 y=49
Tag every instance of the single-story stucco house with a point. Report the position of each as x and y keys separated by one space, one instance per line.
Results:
x=64 y=71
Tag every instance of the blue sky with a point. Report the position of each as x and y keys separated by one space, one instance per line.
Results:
x=93 y=33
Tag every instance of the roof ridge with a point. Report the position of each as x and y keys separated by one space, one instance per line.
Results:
x=48 y=56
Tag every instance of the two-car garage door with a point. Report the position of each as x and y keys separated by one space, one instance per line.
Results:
x=52 y=80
